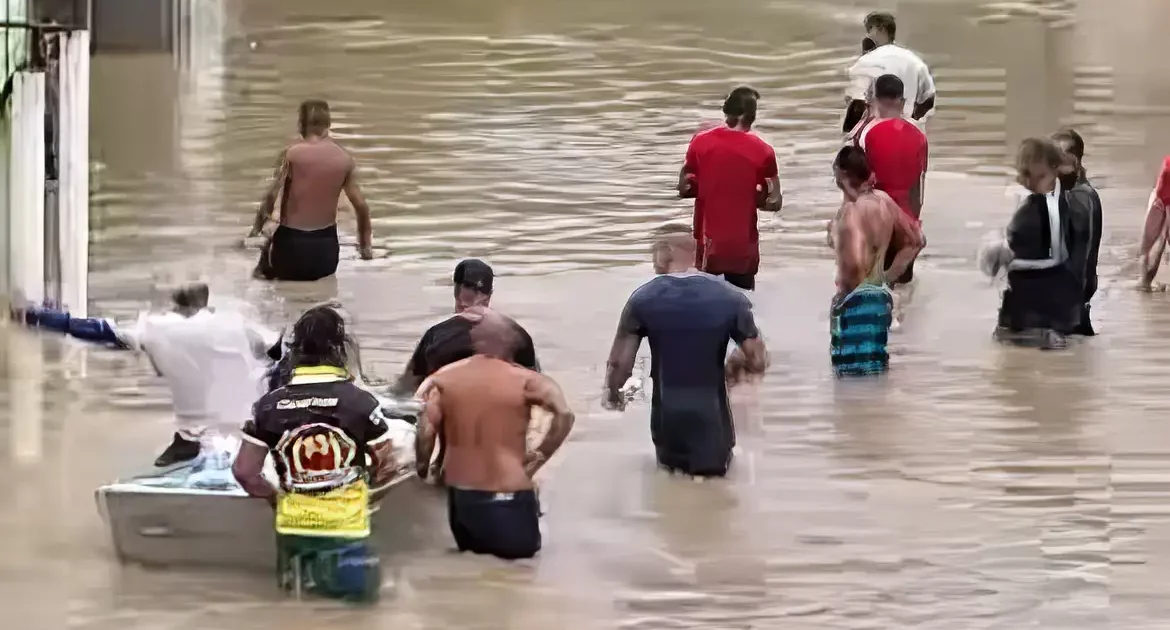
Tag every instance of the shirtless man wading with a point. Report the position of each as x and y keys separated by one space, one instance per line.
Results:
x=481 y=407
x=867 y=226
x=310 y=176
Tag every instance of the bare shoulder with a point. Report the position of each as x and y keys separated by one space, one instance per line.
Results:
x=867 y=205
x=530 y=378
x=537 y=384
x=884 y=200
x=429 y=387
x=343 y=151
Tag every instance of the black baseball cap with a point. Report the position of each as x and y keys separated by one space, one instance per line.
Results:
x=474 y=273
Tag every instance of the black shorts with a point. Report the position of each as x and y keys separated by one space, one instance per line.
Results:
x=300 y=255
x=673 y=463
x=501 y=524
x=693 y=434
x=745 y=281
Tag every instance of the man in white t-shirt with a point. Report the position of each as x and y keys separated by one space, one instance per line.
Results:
x=887 y=58
x=214 y=361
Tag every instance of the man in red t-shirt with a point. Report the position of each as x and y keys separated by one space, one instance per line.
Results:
x=730 y=173
x=897 y=152
x=1155 y=234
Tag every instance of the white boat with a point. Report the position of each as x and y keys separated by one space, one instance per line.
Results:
x=196 y=513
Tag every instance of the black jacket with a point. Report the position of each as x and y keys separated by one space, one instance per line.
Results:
x=1053 y=296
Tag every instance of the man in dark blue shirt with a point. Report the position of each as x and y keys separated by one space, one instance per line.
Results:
x=690 y=319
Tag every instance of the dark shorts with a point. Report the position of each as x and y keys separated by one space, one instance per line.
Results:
x=501 y=524
x=692 y=431
x=745 y=281
x=300 y=255
x=859 y=332
x=714 y=465
x=339 y=568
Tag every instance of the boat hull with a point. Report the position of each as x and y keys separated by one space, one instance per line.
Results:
x=197 y=514
x=188 y=527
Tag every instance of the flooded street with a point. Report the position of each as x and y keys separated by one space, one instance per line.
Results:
x=976 y=486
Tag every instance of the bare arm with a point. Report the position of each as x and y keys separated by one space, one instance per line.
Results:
x=923 y=108
x=1153 y=244
x=280 y=175
x=925 y=94
x=751 y=357
x=918 y=190
x=909 y=234
x=775 y=198
x=685 y=189
x=854 y=112
x=430 y=425
x=414 y=373
x=850 y=250
x=622 y=355
x=831 y=228
x=542 y=391
x=620 y=366
x=406 y=384
x=361 y=211
x=686 y=175
x=770 y=175
x=381 y=449
x=248 y=469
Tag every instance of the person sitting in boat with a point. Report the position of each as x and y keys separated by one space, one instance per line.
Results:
x=1046 y=251
x=331 y=444
x=213 y=360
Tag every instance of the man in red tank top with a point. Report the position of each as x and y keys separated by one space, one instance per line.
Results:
x=897 y=152
x=1157 y=228
x=730 y=172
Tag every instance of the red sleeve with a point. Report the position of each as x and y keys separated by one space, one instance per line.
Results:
x=690 y=163
x=1162 y=190
x=768 y=169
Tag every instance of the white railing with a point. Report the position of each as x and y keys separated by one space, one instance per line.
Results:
x=65 y=254
x=73 y=196
x=26 y=187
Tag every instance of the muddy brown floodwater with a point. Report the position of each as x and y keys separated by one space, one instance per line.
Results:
x=976 y=487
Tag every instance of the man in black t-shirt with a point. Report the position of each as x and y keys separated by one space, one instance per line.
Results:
x=450 y=340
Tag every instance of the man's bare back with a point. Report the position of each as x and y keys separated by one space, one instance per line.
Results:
x=317 y=170
x=865 y=227
x=868 y=224
x=309 y=178
x=485 y=411
x=481 y=407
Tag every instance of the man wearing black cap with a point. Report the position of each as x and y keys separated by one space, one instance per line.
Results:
x=730 y=172
x=450 y=340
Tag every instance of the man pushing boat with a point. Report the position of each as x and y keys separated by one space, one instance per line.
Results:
x=333 y=450
x=213 y=360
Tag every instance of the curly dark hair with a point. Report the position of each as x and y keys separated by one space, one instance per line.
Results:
x=319 y=338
